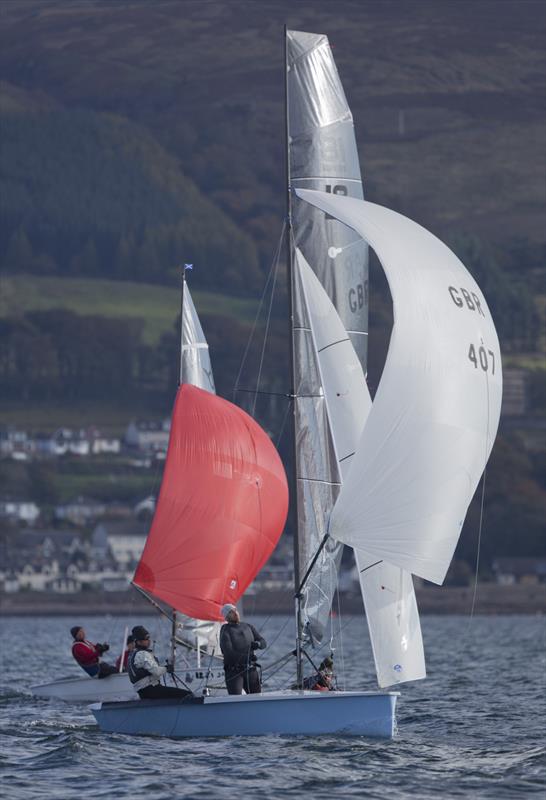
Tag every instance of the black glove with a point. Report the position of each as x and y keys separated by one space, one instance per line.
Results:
x=170 y=668
x=102 y=648
x=255 y=646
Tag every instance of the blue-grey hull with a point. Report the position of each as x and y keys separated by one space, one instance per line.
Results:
x=292 y=713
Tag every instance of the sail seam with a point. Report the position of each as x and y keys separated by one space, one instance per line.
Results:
x=328 y=178
x=318 y=480
x=326 y=346
x=346 y=457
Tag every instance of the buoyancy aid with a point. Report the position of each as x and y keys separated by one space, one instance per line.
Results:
x=85 y=653
x=142 y=676
x=136 y=673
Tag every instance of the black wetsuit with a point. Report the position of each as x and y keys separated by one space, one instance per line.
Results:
x=238 y=640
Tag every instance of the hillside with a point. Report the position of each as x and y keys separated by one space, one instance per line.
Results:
x=447 y=98
x=137 y=135
x=157 y=306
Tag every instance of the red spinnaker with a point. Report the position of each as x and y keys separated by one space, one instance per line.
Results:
x=221 y=510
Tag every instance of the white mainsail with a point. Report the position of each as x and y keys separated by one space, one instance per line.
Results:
x=389 y=598
x=435 y=416
x=323 y=155
x=195 y=368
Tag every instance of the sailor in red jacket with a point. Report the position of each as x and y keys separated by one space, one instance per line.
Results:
x=88 y=654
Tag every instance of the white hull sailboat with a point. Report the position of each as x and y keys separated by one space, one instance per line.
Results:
x=391 y=479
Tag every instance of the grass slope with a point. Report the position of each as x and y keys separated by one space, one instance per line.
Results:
x=158 y=306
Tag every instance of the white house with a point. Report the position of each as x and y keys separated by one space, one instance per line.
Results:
x=80 y=510
x=15 y=443
x=148 y=434
x=121 y=542
x=20 y=510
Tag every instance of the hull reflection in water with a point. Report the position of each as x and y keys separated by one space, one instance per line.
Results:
x=292 y=713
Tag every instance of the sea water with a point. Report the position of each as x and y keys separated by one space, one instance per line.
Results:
x=474 y=728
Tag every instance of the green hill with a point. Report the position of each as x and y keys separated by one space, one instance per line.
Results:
x=93 y=194
x=156 y=306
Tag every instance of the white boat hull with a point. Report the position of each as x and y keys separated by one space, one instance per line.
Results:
x=115 y=687
x=291 y=713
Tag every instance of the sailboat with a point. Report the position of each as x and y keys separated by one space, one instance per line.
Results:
x=197 y=636
x=395 y=477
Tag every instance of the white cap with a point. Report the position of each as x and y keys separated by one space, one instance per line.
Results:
x=227 y=608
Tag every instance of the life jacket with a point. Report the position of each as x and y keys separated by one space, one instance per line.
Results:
x=136 y=673
x=89 y=658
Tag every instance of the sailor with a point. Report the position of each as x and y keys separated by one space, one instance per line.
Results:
x=145 y=672
x=88 y=654
x=323 y=680
x=129 y=647
x=238 y=641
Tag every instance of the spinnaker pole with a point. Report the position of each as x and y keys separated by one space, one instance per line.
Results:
x=293 y=388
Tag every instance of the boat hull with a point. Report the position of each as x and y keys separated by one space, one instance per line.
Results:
x=292 y=713
x=85 y=689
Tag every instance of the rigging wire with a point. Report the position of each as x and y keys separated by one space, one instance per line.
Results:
x=272 y=272
x=480 y=527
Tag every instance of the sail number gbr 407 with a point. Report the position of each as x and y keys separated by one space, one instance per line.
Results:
x=477 y=354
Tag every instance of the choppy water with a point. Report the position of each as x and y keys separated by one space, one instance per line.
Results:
x=473 y=729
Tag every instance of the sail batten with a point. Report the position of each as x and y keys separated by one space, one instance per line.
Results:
x=436 y=411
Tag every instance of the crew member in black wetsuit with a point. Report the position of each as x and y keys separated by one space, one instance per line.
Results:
x=145 y=672
x=238 y=641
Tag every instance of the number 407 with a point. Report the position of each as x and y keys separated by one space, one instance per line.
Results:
x=485 y=358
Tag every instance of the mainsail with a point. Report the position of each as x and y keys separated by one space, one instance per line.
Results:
x=389 y=598
x=435 y=415
x=221 y=509
x=195 y=366
x=323 y=155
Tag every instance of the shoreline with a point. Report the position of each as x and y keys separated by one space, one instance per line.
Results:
x=491 y=599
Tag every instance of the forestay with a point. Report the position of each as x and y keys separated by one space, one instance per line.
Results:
x=436 y=412
x=221 y=509
x=323 y=155
x=388 y=594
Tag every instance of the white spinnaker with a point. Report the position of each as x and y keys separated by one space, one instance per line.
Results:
x=387 y=591
x=195 y=367
x=436 y=412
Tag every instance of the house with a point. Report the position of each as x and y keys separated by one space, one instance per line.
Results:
x=519 y=570
x=15 y=443
x=101 y=444
x=119 y=543
x=145 y=509
x=148 y=435
x=19 y=511
x=80 y=510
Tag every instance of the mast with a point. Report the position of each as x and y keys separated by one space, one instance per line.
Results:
x=290 y=287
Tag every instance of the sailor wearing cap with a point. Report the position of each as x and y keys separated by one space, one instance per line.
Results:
x=145 y=672
x=238 y=641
